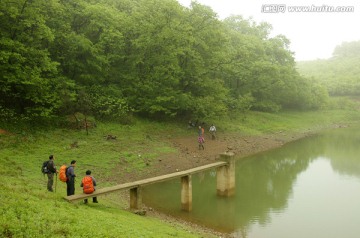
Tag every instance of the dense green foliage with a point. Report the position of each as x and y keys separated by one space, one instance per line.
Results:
x=151 y=57
x=339 y=74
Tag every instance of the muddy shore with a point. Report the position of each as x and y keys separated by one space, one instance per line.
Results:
x=189 y=156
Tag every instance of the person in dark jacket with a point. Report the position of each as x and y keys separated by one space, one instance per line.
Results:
x=70 y=174
x=50 y=174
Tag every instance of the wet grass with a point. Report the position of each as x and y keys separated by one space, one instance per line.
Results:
x=28 y=210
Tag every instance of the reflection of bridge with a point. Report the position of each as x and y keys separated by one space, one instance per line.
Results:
x=225 y=183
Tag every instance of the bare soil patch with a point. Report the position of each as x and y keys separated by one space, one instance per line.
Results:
x=189 y=156
x=4 y=132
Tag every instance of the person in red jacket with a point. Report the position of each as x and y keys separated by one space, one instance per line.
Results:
x=88 y=183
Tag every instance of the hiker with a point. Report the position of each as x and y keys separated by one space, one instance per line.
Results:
x=88 y=184
x=212 y=131
x=70 y=174
x=201 y=138
x=190 y=124
x=201 y=131
x=201 y=142
x=51 y=170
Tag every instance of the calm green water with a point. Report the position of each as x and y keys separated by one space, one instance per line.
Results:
x=309 y=188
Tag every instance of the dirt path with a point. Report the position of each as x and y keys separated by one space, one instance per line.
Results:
x=189 y=156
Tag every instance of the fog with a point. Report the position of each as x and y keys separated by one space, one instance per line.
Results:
x=314 y=29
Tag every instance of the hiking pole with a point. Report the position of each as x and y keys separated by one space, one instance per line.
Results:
x=55 y=181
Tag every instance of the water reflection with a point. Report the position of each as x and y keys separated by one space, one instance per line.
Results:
x=265 y=185
x=343 y=150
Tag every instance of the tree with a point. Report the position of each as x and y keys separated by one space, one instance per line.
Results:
x=155 y=58
x=29 y=77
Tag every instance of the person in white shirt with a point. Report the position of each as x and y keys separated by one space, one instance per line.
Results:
x=212 y=131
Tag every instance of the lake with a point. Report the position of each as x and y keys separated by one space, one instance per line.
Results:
x=307 y=188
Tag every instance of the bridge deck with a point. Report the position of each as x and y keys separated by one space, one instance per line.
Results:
x=143 y=182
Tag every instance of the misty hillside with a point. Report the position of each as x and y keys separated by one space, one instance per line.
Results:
x=340 y=74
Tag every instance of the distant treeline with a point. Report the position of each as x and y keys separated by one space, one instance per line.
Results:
x=154 y=58
x=340 y=74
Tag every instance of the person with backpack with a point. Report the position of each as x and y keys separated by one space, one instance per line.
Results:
x=50 y=171
x=88 y=183
x=62 y=173
x=70 y=175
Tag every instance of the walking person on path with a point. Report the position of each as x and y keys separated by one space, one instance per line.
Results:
x=201 y=131
x=201 y=142
x=201 y=139
x=70 y=174
x=212 y=131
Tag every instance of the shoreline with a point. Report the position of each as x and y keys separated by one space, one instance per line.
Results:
x=190 y=156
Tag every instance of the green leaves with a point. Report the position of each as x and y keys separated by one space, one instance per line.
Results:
x=152 y=57
x=28 y=75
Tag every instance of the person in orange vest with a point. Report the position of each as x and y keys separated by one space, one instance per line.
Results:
x=88 y=183
x=201 y=131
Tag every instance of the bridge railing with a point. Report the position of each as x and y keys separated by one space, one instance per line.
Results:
x=225 y=184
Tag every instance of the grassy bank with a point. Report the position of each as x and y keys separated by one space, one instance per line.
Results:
x=28 y=210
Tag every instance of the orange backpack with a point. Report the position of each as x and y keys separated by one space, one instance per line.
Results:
x=88 y=185
x=62 y=173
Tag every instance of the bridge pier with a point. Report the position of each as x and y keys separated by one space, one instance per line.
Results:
x=186 y=193
x=225 y=183
x=226 y=176
x=135 y=198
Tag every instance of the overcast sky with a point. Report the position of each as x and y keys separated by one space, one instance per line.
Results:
x=313 y=35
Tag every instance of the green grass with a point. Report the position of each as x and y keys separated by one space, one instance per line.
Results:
x=28 y=210
x=259 y=123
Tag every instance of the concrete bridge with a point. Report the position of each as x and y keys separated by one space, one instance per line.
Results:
x=225 y=183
